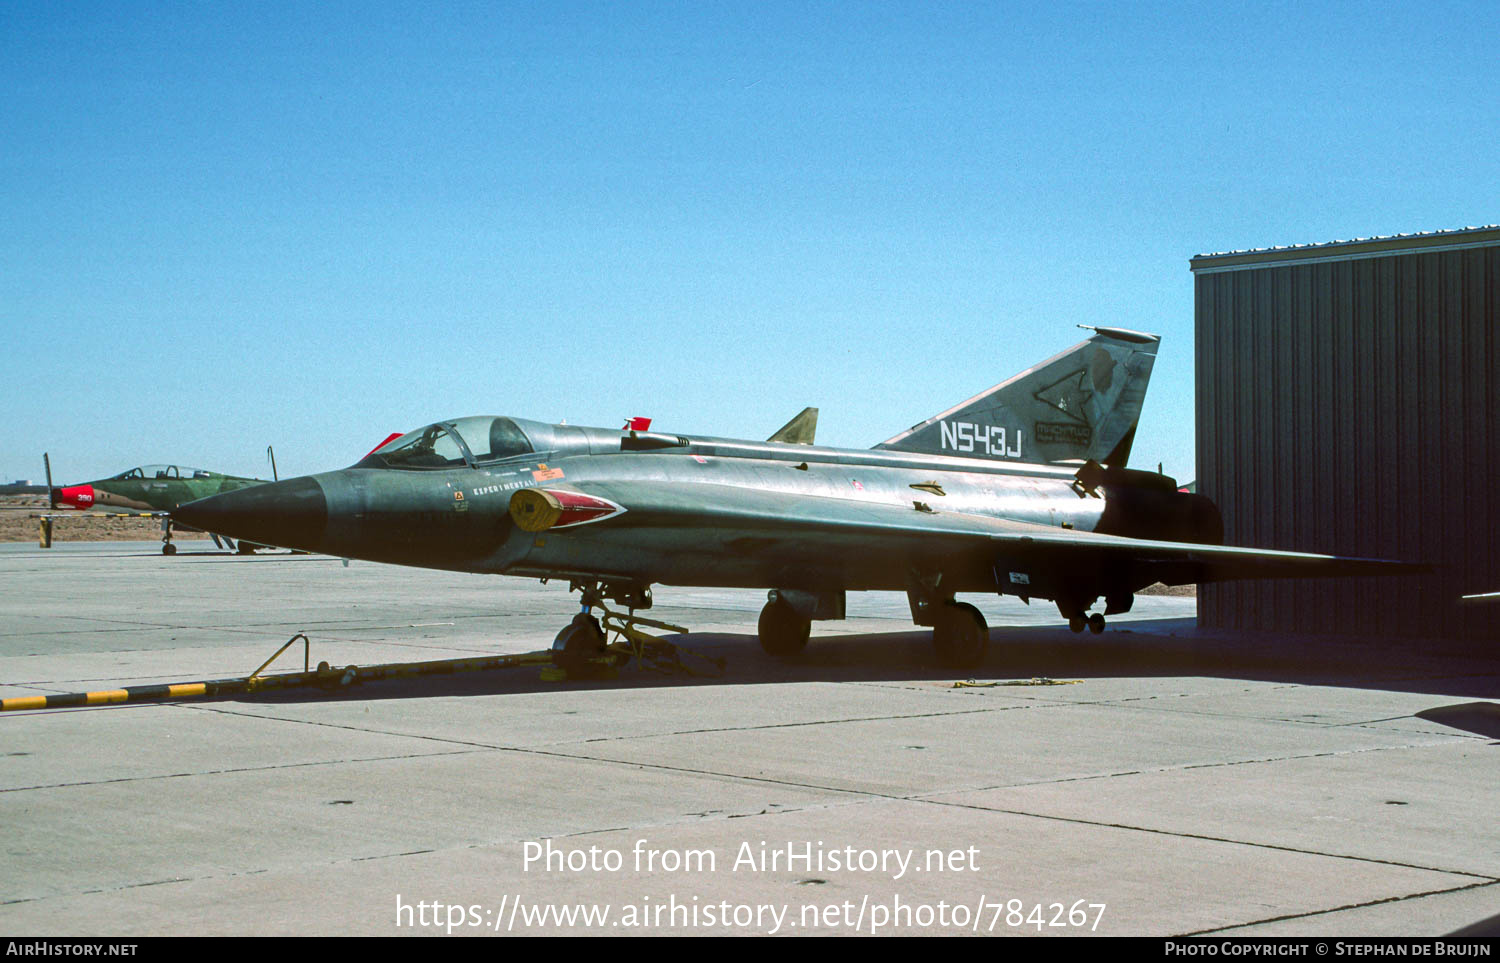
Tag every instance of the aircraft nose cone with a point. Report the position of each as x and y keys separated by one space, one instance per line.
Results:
x=289 y=514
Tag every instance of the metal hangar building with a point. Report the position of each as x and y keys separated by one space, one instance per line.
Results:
x=1349 y=403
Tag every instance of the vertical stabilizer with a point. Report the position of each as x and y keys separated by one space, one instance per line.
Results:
x=52 y=493
x=1083 y=403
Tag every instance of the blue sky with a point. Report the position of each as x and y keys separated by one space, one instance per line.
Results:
x=227 y=226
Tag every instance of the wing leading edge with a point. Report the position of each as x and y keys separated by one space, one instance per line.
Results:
x=786 y=521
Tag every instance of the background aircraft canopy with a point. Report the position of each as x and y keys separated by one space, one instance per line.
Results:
x=163 y=471
x=451 y=444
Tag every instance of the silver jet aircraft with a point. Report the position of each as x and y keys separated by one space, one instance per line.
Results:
x=1022 y=490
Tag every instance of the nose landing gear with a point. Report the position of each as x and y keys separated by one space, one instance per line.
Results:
x=580 y=641
x=583 y=648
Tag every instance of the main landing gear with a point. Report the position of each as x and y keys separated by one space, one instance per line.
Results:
x=783 y=631
x=959 y=632
x=960 y=636
x=786 y=621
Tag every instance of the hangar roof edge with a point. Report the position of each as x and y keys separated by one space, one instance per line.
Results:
x=1359 y=247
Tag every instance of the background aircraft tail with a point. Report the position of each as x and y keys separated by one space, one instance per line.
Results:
x=53 y=494
x=1083 y=403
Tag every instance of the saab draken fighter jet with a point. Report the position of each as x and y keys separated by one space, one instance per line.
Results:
x=972 y=500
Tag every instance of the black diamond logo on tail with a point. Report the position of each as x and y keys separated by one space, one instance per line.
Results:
x=1068 y=395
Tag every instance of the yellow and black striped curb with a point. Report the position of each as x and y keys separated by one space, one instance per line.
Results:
x=324 y=675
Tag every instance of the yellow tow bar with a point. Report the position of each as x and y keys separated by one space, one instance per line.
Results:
x=650 y=651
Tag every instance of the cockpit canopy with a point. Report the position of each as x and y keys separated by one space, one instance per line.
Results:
x=451 y=444
x=145 y=472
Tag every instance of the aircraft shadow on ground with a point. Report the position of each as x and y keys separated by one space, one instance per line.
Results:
x=1135 y=650
x=1480 y=718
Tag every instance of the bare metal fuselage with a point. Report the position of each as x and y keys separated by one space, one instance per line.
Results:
x=648 y=543
x=459 y=519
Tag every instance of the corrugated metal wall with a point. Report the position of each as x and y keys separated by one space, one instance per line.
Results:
x=1352 y=406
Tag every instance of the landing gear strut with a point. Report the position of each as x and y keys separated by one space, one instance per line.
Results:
x=783 y=631
x=960 y=635
x=582 y=641
x=167 y=548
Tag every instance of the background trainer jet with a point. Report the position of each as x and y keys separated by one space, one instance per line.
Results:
x=618 y=511
x=149 y=489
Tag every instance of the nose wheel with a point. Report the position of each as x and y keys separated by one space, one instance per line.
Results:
x=580 y=641
x=583 y=650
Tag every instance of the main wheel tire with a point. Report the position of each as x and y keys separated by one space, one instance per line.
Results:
x=581 y=640
x=1096 y=623
x=961 y=636
x=783 y=632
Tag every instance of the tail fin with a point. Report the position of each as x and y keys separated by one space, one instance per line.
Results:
x=800 y=430
x=1081 y=404
x=52 y=493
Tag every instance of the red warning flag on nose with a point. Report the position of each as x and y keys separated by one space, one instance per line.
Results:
x=637 y=424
